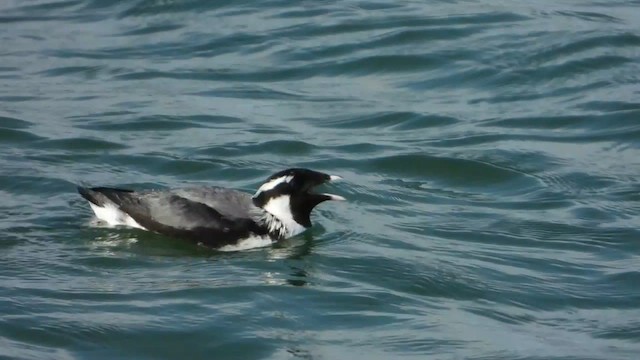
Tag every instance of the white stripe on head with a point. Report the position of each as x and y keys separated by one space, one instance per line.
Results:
x=273 y=183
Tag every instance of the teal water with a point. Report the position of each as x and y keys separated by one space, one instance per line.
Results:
x=490 y=150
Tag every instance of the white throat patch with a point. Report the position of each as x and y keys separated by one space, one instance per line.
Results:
x=280 y=208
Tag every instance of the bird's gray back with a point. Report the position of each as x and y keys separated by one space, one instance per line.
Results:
x=228 y=202
x=188 y=208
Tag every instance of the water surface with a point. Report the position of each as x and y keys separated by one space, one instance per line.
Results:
x=490 y=152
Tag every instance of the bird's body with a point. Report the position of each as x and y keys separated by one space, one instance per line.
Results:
x=217 y=217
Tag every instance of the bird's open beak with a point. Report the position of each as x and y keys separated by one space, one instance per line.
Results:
x=333 y=196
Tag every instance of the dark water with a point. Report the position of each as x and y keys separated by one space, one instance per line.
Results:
x=491 y=152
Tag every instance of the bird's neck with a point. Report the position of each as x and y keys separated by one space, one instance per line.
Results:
x=280 y=228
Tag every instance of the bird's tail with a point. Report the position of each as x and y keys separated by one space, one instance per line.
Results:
x=101 y=195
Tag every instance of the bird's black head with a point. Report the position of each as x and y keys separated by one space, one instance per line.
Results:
x=287 y=195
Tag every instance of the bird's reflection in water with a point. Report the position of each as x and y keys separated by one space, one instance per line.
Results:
x=297 y=277
x=294 y=249
x=291 y=249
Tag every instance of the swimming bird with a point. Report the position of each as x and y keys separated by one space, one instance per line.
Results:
x=218 y=217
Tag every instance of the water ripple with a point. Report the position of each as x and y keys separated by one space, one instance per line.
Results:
x=488 y=150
